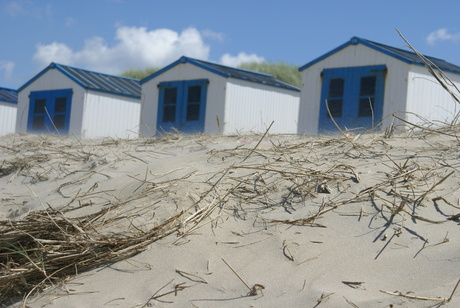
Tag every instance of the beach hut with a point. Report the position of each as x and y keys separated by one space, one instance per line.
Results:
x=8 y=110
x=66 y=100
x=195 y=96
x=361 y=83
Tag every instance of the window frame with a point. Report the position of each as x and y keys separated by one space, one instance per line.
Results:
x=50 y=97
x=182 y=122
x=350 y=118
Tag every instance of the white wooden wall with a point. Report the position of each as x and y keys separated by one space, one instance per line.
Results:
x=353 y=55
x=251 y=107
x=429 y=100
x=107 y=115
x=8 y=113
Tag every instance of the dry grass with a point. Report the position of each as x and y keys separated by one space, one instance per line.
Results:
x=45 y=247
x=49 y=245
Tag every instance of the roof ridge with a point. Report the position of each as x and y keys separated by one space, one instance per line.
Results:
x=400 y=49
x=95 y=81
x=8 y=89
x=231 y=67
x=227 y=72
x=90 y=71
x=407 y=56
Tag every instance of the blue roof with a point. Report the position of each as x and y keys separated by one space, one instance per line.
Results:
x=398 y=53
x=95 y=81
x=227 y=72
x=8 y=95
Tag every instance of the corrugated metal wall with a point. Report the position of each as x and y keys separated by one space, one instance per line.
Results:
x=251 y=107
x=428 y=99
x=8 y=113
x=353 y=55
x=108 y=115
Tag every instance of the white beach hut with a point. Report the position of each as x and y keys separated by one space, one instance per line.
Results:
x=71 y=101
x=194 y=96
x=8 y=110
x=363 y=83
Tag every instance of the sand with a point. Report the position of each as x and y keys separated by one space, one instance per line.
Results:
x=294 y=221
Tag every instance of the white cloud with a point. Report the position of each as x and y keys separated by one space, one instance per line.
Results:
x=213 y=35
x=69 y=21
x=242 y=57
x=15 y=8
x=18 y=8
x=442 y=35
x=134 y=48
x=7 y=67
x=54 y=52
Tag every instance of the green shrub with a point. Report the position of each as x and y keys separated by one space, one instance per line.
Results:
x=281 y=70
x=140 y=73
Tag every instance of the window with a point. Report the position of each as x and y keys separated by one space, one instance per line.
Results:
x=335 y=97
x=40 y=106
x=367 y=96
x=39 y=114
x=60 y=109
x=170 y=104
x=193 y=103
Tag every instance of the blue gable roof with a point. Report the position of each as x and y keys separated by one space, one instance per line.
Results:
x=95 y=81
x=8 y=95
x=227 y=72
x=398 y=53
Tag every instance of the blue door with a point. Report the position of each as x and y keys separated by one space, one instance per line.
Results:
x=182 y=106
x=49 y=111
x=352 y=97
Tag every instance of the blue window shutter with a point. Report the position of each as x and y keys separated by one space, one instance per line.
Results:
x=190 y=106
x=168 y=106
x=49 y=111
x=351 y=116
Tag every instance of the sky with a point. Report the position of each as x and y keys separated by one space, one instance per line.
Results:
x=112 y=36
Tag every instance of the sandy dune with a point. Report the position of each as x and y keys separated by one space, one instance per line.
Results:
x=293 y=221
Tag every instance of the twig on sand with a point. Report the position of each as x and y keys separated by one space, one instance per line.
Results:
x=322 y=298
x=396 y=233
x=439 y=299
x=287 y=253
x=255 y=288
x=424 y=244
x=263 y=136
x=191 y=277
x=420 y=199
x=177 y=287
x=424 y=128
x=351 y=303
x=353 y=284
x=338 y=127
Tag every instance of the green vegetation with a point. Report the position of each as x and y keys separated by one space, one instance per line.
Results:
x=282 y=71
x=140 y=73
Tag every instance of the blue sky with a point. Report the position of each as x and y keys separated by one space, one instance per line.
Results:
x=111 y=36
